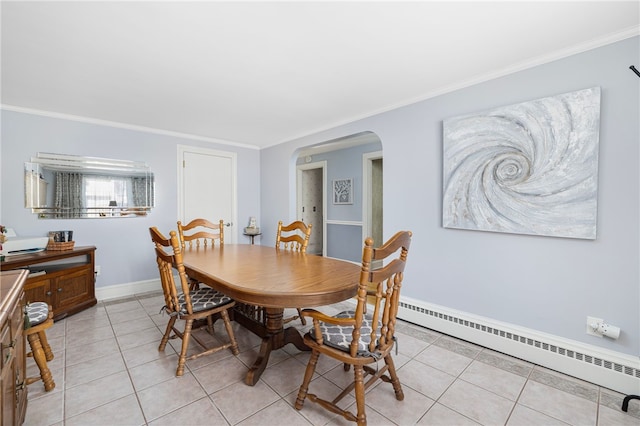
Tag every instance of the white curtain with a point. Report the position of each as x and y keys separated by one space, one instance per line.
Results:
x=101 y=191
x=86 y=195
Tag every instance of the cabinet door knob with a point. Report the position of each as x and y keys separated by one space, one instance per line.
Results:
x=48 y=293
x=60 y=289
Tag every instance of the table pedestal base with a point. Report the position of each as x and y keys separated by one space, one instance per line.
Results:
x=274 y=336
x=289 y=335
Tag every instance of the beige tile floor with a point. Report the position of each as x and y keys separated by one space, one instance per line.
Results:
x=108 y=371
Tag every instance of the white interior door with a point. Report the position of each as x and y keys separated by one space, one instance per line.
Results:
x=207 y=187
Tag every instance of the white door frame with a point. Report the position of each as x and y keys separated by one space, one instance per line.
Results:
x=367 y=219
x=234 y=178
x=309 y=166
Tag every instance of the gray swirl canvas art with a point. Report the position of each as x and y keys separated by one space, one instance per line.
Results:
x=529 y=168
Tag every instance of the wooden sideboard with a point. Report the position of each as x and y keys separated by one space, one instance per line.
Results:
x=64 y=279
x=13 y=368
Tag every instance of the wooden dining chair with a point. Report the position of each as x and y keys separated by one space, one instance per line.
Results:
x=295 y=237
x=200 y=233
x=362 y=337
x=182 y=303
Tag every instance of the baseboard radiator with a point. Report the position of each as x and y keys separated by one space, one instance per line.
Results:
x=610 y=369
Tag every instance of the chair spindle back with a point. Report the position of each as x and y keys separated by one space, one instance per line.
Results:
x=167 y=262
x=201 y=232
x=294 y=236
x=382 y=285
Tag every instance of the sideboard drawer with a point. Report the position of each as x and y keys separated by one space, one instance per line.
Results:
x=6 y=348
x=13 y=389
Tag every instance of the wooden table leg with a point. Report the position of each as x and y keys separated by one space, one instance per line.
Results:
x=277 y=336
x=291 y=335
x=272 y=340
x=256 y=370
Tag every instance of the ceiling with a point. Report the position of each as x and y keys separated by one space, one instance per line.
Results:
x=263 y=73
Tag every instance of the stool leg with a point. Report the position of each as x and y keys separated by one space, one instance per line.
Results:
x=41 y=361
x=45 y=345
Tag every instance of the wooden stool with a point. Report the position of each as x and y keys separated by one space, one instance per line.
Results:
x=40 y=317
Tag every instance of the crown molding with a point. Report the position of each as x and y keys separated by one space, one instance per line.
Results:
x=126 y=126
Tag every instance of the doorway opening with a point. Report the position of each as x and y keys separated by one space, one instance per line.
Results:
x=340 y=228
x=311 y=203
x=372 y=196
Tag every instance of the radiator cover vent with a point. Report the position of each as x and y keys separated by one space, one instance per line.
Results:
x=545 y=346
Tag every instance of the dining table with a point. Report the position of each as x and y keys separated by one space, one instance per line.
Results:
x=264 y=281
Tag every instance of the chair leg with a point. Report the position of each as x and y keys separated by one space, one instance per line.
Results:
x=210 y=325
x=395 y=381
x=359 y=391
x=308 y=374
x=45 y=345
x=194 y=284
x=232 y=336
x=303 y=320
x=41 y=360
x=167 y=333
x=185 y=347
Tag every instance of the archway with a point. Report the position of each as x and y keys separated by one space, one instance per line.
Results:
x=340 y=227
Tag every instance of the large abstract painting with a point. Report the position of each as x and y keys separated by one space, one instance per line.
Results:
x=530 y=168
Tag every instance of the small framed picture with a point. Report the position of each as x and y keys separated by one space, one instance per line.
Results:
x=343 y=191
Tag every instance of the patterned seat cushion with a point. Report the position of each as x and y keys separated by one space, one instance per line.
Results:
x=203 y=299
x=37 y=312
x=340 y=337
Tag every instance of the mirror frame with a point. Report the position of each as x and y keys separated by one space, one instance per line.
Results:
x=35 y=185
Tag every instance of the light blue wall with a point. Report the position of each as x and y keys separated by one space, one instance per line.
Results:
x=547 y=284
x=124 y=249
x=543 y=283
x=344 y=241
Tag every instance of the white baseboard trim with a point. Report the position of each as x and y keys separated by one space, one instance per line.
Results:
x=610 y=369
x=125 y=290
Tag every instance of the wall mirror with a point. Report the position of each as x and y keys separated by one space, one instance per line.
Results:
x=60 y=186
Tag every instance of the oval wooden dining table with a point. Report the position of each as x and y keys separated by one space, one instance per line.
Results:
x=272 y=279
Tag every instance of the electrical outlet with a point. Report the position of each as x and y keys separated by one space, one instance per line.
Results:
x=97 y=270
x=590 y=328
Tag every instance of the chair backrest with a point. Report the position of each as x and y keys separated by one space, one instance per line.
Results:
x=382 y=285
x=294 y=236
x=169 y=257
x=201 y=232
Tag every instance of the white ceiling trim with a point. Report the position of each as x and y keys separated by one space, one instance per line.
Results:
x=533 y=62
x=126 y=126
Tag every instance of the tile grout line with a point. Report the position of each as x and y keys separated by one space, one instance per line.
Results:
x=551 y=382
x=124 y=362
